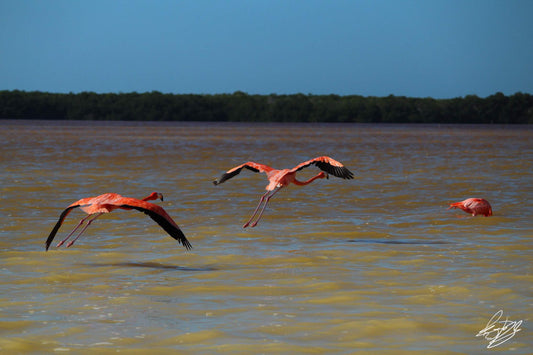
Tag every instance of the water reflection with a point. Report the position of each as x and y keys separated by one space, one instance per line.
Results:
x=386 y=241
x=152 y=265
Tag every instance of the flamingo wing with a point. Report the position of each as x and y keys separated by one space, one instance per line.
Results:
x=58 y=224
x=159 y=215
x=327 y=164
x=255 y=167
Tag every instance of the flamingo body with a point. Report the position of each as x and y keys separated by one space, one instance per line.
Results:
x=106 y=203
x=278 y=179
x=474 y=206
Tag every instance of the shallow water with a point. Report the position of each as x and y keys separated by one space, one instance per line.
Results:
x=374 y=264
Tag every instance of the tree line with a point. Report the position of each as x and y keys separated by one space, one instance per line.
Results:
x=240 y=106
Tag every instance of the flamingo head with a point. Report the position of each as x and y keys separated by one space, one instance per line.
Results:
x=154 y=196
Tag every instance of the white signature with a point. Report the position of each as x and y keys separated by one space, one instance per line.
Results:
x=498 y=336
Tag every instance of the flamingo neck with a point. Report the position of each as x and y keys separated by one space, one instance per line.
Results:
x=302 y=183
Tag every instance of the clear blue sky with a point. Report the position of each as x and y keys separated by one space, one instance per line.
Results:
x=424 y=48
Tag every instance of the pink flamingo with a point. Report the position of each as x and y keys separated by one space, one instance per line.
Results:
x=281 y=178
x=106 y=203
x=474 y=206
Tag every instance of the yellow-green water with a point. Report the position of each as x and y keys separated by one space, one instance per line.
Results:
x=371 y=265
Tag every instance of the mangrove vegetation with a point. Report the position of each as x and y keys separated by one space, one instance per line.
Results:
x=239 y=106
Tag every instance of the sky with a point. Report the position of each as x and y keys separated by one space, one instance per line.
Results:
x=414 y=48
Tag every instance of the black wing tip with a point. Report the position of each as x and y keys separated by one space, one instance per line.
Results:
x=221 y=180
x=47 y=244
x=53 y=233
x=173 y=230
x=231 y=173
x=177 y=234
x=346 y=174
x=225 y=176
x=338 y=171
x=49 y=240
x=186 y=244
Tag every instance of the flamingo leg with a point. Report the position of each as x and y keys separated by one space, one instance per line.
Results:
x=264 y=206
x=256 y=209
x=75 y=229
x=84 y=228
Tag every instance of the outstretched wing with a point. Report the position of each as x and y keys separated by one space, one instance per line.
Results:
x=58 y=224
x=327 y=164
x=158 y=214
x=255 y=167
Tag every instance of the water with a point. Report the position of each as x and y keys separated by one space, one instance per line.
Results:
x=374 y=264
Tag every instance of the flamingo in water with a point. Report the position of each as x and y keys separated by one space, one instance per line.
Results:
x=281 y=178
x=474 y=206
x=96 y=206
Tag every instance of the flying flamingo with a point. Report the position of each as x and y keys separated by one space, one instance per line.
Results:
x=474 y=206
x=96 y=206
x=280 y=178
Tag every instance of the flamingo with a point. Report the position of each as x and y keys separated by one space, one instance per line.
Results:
x=96 y=206
x=474 y=206
x=281 y=178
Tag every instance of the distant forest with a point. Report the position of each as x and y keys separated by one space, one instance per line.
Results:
x=239 y=106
